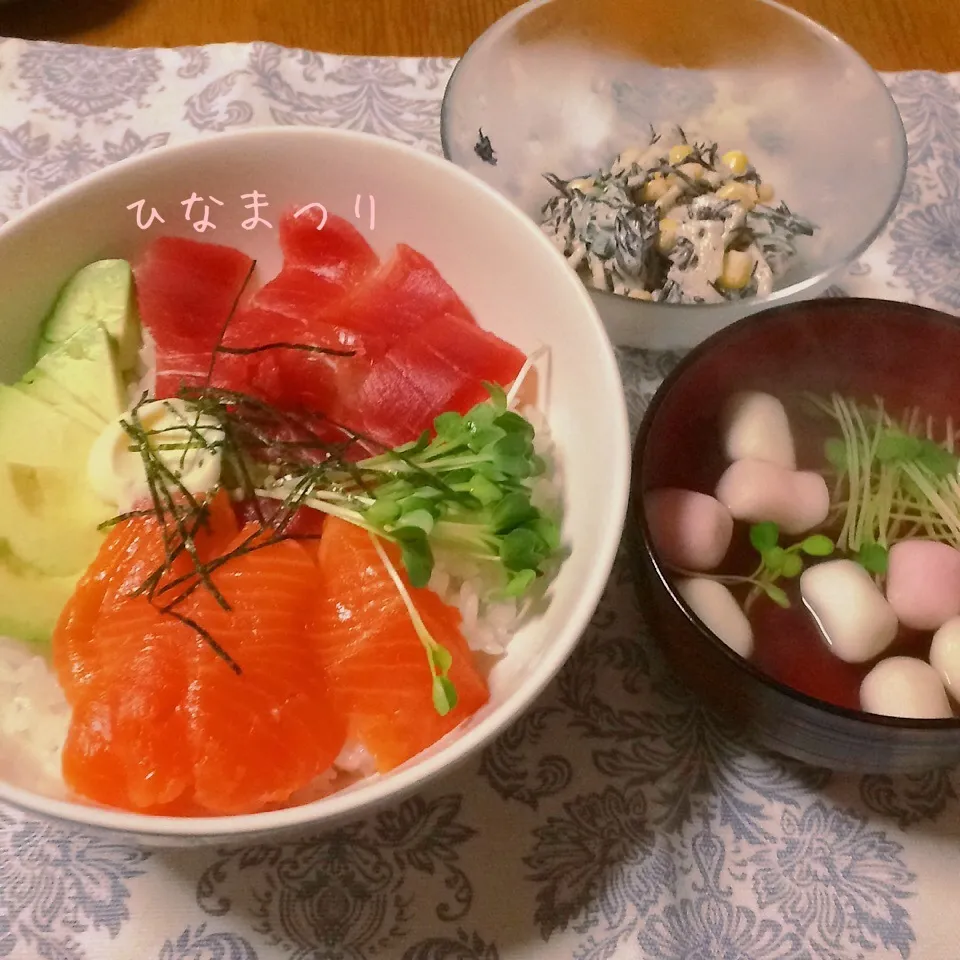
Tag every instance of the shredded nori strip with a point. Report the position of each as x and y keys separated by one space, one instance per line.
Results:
x=484 y=149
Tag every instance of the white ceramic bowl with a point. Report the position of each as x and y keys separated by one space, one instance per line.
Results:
x=498 y=262
x=563 y=86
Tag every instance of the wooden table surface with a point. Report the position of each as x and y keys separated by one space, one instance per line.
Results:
x=891 y=34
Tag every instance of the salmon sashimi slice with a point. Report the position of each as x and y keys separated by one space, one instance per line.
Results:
x=160 y=721
x=376 y=665
x=75 y=658
x=263 y=735
x=128 y=744
x=130 y=553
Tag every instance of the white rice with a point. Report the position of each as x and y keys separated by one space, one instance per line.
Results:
x=35 y=716
x=354 y=759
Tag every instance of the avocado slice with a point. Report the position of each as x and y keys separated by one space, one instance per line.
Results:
x=80 y=378
x=30 y=603
x=45 y=391
x=50 y=518
x=101 y=292
x=35 y=434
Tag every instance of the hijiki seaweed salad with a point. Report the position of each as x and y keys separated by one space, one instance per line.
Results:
x=674 y=223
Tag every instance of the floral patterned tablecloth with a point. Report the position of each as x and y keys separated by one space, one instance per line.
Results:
x=616 y=819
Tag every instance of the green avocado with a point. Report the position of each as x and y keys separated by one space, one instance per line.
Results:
x=35 y=434
x=30 y=602
x=101 y=292
x=80 y=378
x=50 y=518
x=49 y=420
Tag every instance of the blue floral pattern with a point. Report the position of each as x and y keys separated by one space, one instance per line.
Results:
x=56 y=884
x=709 y=923
x=925 y=232
x=198 y=944
x=912 y=798
x=617 y=819
x=600 y=864
x=87 y=82
x=342 y=895
x=837 y=881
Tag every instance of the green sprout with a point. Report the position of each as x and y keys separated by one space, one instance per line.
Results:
x=778 y=562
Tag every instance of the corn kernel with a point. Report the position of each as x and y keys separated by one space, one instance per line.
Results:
x=640 y=295
x=765 y=193
x=693 y=170
x=743 y=193
x=679 y=153
x=736 y=162
x=655 y=188
x=737 y=270
x=668 y=234
x=583 y=184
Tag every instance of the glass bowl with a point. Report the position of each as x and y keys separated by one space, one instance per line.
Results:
x=563 y=86
x=857 y=347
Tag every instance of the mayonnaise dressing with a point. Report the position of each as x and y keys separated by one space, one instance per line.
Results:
x=184 y=441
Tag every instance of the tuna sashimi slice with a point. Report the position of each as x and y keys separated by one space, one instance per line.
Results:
x=405 y=293
x=321 y=268
x=334 y=249
x=295 y=294
x=305 y=522
x=186 y=290
x=440 y=366
x=377 y=667
x=395 y=405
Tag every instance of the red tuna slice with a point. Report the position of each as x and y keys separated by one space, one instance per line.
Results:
x=182 y=367
x=337 y=251
x=441 y=366
x=477 y=353
x=286 y=376
x=186 y=290
x=306 y=522
x=405 y=293
x=298 y=294
x=320 y=268
x=258 y=324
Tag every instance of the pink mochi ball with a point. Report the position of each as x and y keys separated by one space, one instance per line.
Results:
x=689 y=530
x=923 y=583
